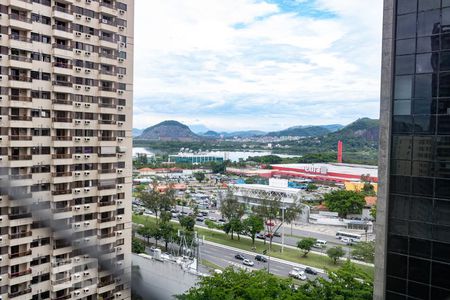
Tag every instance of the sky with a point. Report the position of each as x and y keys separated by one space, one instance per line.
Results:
x=256 y=64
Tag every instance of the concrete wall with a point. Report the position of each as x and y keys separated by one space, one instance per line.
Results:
x=384 y=150
x=158 y=280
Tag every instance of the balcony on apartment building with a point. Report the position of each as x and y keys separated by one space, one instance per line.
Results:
x=20 y=235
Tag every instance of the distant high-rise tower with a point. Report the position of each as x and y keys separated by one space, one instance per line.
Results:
x=413 y=220
x=66 y=85
x=340 y=149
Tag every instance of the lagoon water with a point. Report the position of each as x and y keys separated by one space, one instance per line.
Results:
x=231 y=155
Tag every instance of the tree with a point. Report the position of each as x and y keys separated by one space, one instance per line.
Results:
x=271 y=210
x=364 y=251
x=373 y=212
x=345 y=202
x=150 y=230
x=188 y=223
x=305 y=245
x=167 y=232
x=311 y=187
x=199 y=176
x=151 y=199
x=217 y=168
x=347 y=283
x=252 y=225
x=335 y=253
x=137 y=246
x=242 y=285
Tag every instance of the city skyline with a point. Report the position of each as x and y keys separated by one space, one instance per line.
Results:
x=245 y=64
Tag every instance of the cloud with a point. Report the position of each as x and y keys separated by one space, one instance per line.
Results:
x=256 y=64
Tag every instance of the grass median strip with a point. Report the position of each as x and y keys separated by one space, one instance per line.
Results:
x=289 y=254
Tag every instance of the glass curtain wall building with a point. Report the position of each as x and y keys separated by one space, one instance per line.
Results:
x=413 y=230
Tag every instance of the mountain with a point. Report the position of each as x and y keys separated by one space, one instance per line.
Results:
x=211 y=134
x=136 y=132
x=333 y=127
x=365 y=129
x=304 y=131
x=244 y=134
x=169 y=131
x=199 y=128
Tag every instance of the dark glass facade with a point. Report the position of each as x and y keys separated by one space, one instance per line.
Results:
x=418 y=239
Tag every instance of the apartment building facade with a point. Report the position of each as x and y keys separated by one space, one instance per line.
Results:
x=412 y=258
x=66 y=81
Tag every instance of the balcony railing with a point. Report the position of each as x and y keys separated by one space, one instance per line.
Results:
x=109 y=203
x=20 y=58
x=20 y=157
x=19 y=18
x=108 y=89
x=19 y=293
x=109 y=22
x=61 y=192
x=106 y=171
x=105 y=4
x=62 y=9
x=21 y=138
x=104 y=220
x=20 y=176
x=107 y=38
x=62 y=156
x=61 y=210
x=21 y=98
x=109 y=105
x=61 y=174
x=62 y=65
x=19 y=254
x=61 y=138
x=62 y=101
x=20 y=118
x=19 y=216
x=106 y=187
x=107 y=138
x=108 y=72
x=105 y=283
x=20 y=235
x=62 y=28
x=62 y=46
x=105 y=236
x=62 y=83
x=64 y=297
x=62 y=120
x=23 y=78
x=20 y=38
x=108 y=55
x=110 y=122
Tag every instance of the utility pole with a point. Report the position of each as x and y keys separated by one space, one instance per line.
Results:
x=282 y=229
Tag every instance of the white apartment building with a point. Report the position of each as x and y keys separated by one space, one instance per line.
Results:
x=66 y=81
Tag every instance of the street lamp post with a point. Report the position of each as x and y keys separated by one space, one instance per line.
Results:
x=282 y=228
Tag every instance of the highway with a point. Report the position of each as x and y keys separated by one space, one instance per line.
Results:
x=224 y=257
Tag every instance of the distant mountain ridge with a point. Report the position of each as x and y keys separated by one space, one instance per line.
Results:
x=169 y=131
x=302 y=131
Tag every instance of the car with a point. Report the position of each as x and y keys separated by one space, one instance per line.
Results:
x=297 y=274
x=239 y=256
x=248 y=262
x=260 y=258
x=221 y=221
x=308 y=270
x=260 y=236
x=200 y=219
x=347 y=241
x=212 y=219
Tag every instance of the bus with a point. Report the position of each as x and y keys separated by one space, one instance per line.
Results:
x=354 y=237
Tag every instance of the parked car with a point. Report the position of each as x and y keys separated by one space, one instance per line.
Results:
x=239 y=256
x=260 y=258
x=248 y=262
x=346 y=240
x=212 y=219
x=260 y=236
x=310 y=271
x=200 y=219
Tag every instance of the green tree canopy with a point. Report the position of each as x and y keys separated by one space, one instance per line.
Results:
x=364 y=251
x=335 y=253
x=252 y=225
x=347 y=283
x=345 y=202
x=306 y=244
x=199 y=176
x=137 y=246
x=188 y=223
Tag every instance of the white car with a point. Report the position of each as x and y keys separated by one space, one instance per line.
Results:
x=247 y=262
x=297 y=274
